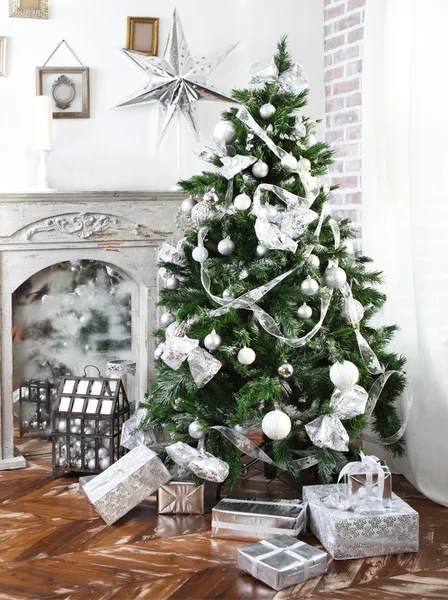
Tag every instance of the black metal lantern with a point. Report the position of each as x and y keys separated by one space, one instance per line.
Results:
x=87 y=424
x=36 y=403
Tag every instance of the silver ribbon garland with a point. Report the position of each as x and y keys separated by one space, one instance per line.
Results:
x=293 y=80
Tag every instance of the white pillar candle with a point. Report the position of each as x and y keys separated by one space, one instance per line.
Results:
x=44 y=123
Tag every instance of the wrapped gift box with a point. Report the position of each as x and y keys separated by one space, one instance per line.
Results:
x=82 y=482
x=357 y=481
x=181 y=497
x=126 y=483
x=346 y=534
x=257 y=519
x=282 y=561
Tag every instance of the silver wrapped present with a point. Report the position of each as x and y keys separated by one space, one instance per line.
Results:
x=257 y=519
x=359 y=481
x=282 y=561
x=180 y=497
x=126 y=483
x=347 y=534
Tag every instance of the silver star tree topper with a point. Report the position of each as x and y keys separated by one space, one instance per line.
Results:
x=175 y=80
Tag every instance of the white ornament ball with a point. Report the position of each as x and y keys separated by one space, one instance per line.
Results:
x=335 y=278
x=103 y=452
x=241 y=429
x=89 y=430
x=212 y=341
x=246 y=356
x=91 y=464
x=77 y=422
x=262 y=251
x=309 y=286
x=187 y=205
x=356 y=314
x=62 y=426
x=305 y=311
x=225 y=131
x=344 y=375
x=304 y=164
x=348 y=246
x=105 y=463
x=90 y=454
x=242 y=202
x=260 y=169
x=314 y=260
x=200 y=254
x=226 y=247
x=195 y=430
x=228 y=294
x=276 y=425
x=285 y=370
x=75 y=429
x=172 y=283
x=166 y=319
x=267 y=111
x=289 y=163
x=312 y=140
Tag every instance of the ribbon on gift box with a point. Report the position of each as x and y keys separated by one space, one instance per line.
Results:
x=299 y=560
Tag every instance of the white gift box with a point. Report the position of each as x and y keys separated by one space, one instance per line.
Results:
x=126 y=483
x=346 y=534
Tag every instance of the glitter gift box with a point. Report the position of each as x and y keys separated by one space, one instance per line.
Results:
x=357 y=481
x=126 y=483
x=346 y=534
x=181 y=497
x=257 y=519
x=282 y=561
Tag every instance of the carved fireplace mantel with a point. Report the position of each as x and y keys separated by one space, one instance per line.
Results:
x=123 y=229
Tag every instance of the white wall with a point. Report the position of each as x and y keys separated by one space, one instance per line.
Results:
x=115 y=148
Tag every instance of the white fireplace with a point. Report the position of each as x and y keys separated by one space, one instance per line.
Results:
x=121 y=229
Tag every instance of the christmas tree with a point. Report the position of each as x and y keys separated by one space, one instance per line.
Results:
x=267 y=303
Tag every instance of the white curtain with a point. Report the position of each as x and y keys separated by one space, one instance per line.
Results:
x=405 y=212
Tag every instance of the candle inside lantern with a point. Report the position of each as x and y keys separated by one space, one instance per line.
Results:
x=44 y=123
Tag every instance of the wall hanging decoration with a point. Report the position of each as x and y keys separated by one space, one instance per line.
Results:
x=142 y=35
x=2 y=56
x=29 y=9
x=69 y=87
x=87 y=424
x=177 y=82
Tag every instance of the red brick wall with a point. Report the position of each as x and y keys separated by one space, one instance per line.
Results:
x=344 y=30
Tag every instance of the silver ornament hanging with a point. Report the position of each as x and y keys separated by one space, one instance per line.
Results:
x=204 y=211
x=225 y=131
x=227 y=294
x=334 y=277
x=103 y=452
x=172 y=283
x=260 y=169
x=62 y=426
x=285 y=370
x=226 y=247
x=309 y=286
x=105 y=463
x=267 y=111
x=211 y=196
x=195 y=430
x=314 y=260
x=289 y=163
x=91 y=464
x=262 y=251
x=212 y=341
x=352 y=311
x=176 y=403
x=187 y=205
x=305 y=311
x=166 y=319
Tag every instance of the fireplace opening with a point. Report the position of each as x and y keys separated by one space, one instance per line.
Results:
x=66 y=317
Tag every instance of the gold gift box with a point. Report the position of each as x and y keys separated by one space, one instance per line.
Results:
x=181 y=498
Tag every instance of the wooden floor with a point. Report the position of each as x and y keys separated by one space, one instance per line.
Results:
x=54 y=545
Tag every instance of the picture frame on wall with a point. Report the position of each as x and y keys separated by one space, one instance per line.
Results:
x=142 y=35
x=28 y=9
x=70 y=89
x=2 y=56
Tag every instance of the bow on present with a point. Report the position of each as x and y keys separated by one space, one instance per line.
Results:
x=370 y=497
x=293 y=80
x=201 y=463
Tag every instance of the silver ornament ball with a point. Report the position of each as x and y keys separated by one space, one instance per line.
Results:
x=285 y=370
x=226 y=247
x=103 y=452
x=176 y=403
x=260 y=169
x=200 y=254
x=166 y=319
x=105 y=463
x=210 y=197
x=309 y=286
x=89 y=430
x=246 y=356
x=262 y=251
x=289 y=163
x=195 y=430
x=204 y=211
x=187 y=205
x=305 y=311
x=90 y=454
x=314 y=260
x=91 y=464
x=225 y=131
x=242 y=202
x=267 y=111
x=172 y=283
x=212 y=341
x=62 y=426
x=75 y=429
x=227 y=294
x=335 y=278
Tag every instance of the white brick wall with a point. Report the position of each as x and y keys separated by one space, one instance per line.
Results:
x=344 y=31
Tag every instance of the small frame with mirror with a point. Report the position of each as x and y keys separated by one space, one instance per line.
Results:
x=70 y=89
x=142 y=35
